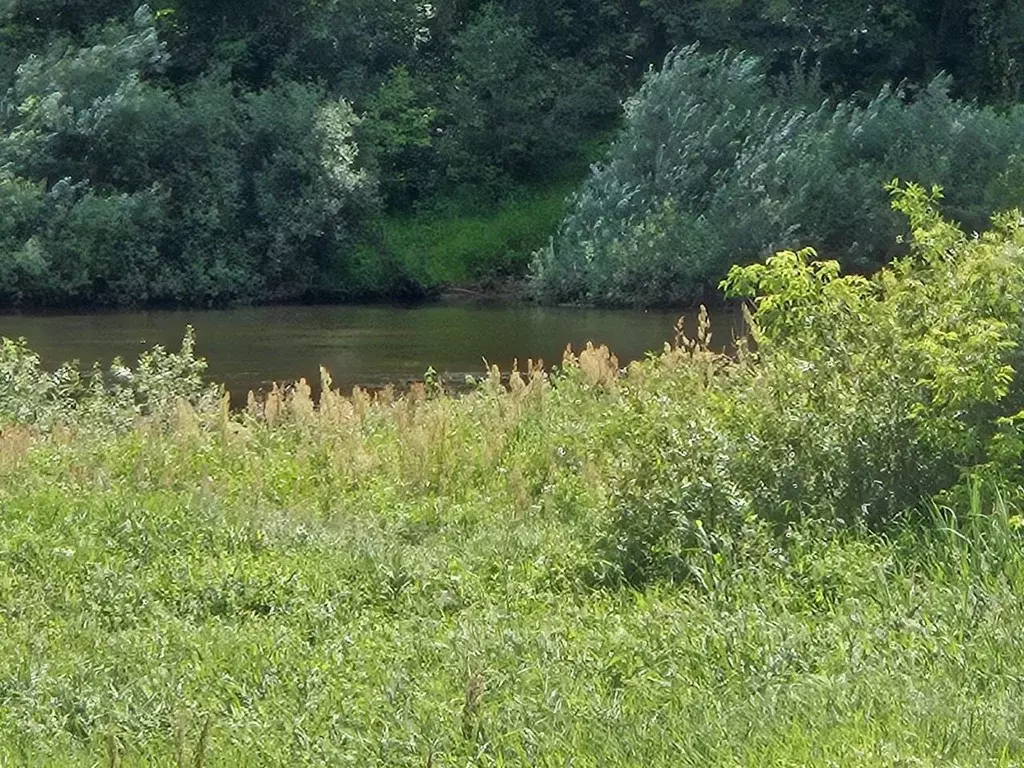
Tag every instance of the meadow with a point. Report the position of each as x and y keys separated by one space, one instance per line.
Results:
x=806 y=553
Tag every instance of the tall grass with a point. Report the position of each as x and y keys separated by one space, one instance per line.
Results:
x=410 y=582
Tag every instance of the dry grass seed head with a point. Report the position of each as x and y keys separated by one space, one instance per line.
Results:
x=417 y=393
x=361 y=402
x=15 y=442
x=599 y=366
x=184 y=420
x=404 y=413
x=539 y=384
x=253 y=407
x=385 y=397
x=696 y=352
x=492 y=384
x=516 y=384
x=224 y=421
x=300 y=403
x=704 y=334
x=423 y=443
x=273 y=407
x=335 y=408
x=569 y=360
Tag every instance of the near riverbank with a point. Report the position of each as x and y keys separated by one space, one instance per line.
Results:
x=807 y=554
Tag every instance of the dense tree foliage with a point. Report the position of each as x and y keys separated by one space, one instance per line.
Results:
x=195 y=152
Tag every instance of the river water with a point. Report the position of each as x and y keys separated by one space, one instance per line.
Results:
x=366 y=345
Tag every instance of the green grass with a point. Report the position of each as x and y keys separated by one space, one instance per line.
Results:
x=411 y=584
x=449 y=247
x=464 y=240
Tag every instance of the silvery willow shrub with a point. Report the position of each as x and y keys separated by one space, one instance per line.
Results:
x=684 y=129
x=746 y=170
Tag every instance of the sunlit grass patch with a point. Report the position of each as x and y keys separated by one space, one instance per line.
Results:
x=448 y=248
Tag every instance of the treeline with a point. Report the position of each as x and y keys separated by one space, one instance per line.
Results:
x=195 y=153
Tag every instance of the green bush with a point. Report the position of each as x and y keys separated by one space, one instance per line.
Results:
x=642 y=268
x=864 y=398
x=112 y=400
x=751 y=172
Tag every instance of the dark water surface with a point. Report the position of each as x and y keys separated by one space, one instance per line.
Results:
x=366 y=345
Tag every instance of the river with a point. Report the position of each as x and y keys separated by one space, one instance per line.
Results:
x=370 y=346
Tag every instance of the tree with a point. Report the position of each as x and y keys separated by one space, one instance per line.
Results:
x=397 y=131
x=121 y=191
x=510 y=116
x=863 y=44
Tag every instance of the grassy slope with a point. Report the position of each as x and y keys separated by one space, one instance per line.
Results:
x=451 y=247
x=463 y=242
x=404 y=585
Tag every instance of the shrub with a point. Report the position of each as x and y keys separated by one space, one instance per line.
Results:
x=662 y=260
x=863 y=398
x=706 y=137
x=118 y=191
x=33 y=397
